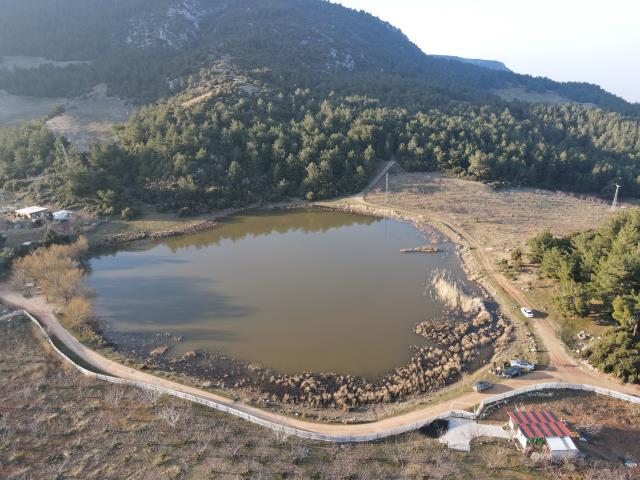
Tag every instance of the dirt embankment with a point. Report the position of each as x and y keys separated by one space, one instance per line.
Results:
x=478 y=334
x=55 y=423
x=428 y=371
x=125 y=237
x=161 y=226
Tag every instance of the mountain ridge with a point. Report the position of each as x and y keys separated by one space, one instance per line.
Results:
x=490 y=64
x=143 y=48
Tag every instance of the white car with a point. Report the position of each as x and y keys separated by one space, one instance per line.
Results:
x=527 y=312
x=523 y=364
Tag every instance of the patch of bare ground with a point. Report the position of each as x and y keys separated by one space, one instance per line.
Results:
x=524 y=95
x=149 y=222
x=610 y=428
x=90 y=118
x=15 y=109
x=55 y=423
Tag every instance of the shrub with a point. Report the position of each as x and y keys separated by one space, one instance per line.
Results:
x=77 y=312
x=11 y=186
x=55 y=269
x=128 y=213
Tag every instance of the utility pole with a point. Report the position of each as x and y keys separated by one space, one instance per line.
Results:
x=615 y=198
x=64 y=150
x=386 y=188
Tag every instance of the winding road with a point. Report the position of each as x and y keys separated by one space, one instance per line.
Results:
x=561 y=368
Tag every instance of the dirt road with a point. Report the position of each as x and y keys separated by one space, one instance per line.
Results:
x=562 y=368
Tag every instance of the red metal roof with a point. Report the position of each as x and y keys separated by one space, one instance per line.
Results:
x=539 y=424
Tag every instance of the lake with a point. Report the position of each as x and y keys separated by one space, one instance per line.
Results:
x=294 y=290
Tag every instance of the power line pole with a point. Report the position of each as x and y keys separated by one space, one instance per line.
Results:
x=386 y=188
x=615 y=198
x=64 y=150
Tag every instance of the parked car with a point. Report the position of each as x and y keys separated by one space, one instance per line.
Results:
x=512 y=372
x=523 y=364
x=527 y=312
x=482 y=386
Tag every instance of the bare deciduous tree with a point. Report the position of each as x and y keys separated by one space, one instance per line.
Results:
x=115 y=394
x=170 y=414
x=54 y=269
x=591 y=427
x=151 y=396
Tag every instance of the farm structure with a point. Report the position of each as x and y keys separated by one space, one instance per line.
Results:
x=34 y=214
x=542 y=428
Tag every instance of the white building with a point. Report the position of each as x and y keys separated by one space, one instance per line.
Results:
x=32 y=213
x=62 y=215
x=543 y=429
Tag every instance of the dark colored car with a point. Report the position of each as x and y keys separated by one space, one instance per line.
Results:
x=512 y=372
x=482 y=386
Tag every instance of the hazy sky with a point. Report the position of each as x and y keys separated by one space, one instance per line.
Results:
x=596 y=41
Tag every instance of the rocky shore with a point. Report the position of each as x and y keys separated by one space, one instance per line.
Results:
x=472 y=333
x=138 y=235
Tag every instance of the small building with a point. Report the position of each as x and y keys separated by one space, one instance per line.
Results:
x=62 y=215
x=542 y=428
x=32 y=213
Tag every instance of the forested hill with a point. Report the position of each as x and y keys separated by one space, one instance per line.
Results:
x=144 y=50
x=263 y=100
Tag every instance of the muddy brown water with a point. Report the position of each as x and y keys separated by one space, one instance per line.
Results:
x=298 y=290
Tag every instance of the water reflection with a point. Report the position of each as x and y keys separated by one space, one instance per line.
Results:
x=260 y=224
x=294 y=290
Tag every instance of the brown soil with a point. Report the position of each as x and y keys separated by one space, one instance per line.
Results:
x=55 y=423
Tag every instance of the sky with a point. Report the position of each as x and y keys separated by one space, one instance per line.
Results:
x=596 y=41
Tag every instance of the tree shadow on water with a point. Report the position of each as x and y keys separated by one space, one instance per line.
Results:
x=164 y=302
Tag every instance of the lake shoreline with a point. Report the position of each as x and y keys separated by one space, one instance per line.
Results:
x=254 y=383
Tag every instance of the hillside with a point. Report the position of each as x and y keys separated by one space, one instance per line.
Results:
x=490 y=64
x=253 y=101
x=144 y=49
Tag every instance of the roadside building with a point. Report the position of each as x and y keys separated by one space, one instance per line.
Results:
x=34 y=214
x=542 y=429
x=62 y=215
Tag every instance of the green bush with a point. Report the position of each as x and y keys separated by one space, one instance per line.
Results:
x=128 y=213
x=11 y=186
x=616 y=354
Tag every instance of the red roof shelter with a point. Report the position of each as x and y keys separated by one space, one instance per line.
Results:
x=541 y=424
x=530 y=427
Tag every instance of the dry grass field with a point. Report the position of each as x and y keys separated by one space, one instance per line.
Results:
x=499 y=219
x=90 y=118
x=55 y=423
x=15 y=109
x=523 y=95
x=86 y=119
